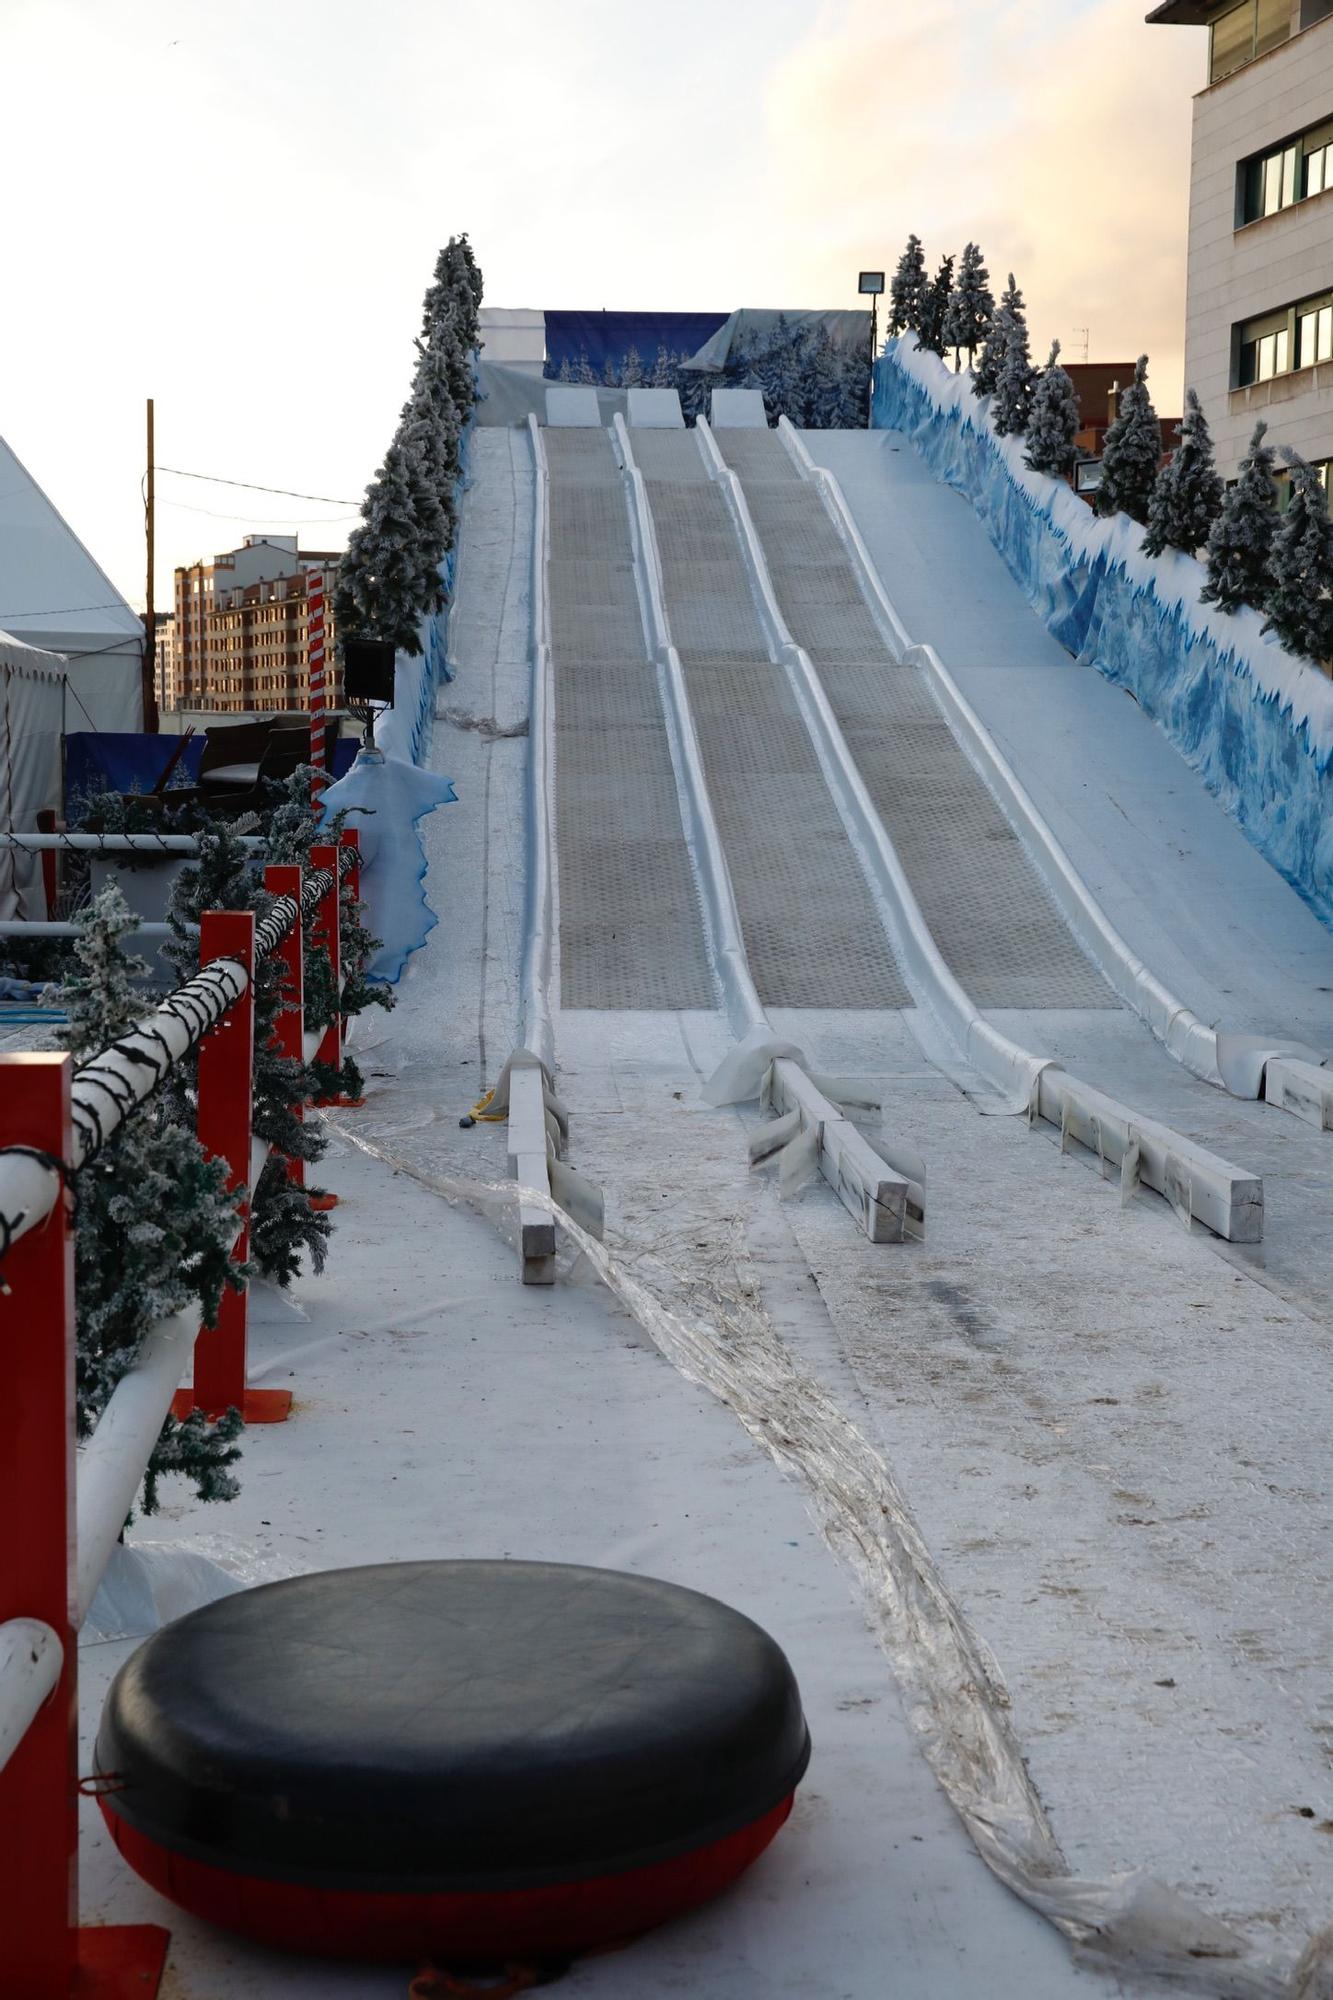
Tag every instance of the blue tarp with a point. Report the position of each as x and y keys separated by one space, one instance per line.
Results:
x=609 y=336
x=101 y=761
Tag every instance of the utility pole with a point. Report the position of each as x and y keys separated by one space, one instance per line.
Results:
x=151 y=719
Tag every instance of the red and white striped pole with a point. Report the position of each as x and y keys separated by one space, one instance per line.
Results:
x=314 y=606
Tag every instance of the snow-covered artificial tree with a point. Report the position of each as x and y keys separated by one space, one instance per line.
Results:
x=632 y=374
x=1240 y=543
x=971 y=306
x=154 y=1223
x=1131 y=451
x=380 y=578
x=907 y=289
x=585 y=372
x=986 y=373
x=1011 y=403
x=1054 y=421
x=661 y=375
x=564 y=374
x=935 y=308
x=1187 y=497
x=1300 y=597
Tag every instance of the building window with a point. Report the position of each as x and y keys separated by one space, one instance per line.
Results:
x=1290 y=173
x=1298 y=336
x=1245 y=32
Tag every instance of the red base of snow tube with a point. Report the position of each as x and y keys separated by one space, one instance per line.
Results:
x=557 y=1921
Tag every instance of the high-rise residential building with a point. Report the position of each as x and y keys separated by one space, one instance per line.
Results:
x=1259 y=302
x=241 y=639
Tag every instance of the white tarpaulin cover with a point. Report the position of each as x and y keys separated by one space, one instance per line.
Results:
x=32 y=694
x=55 y=596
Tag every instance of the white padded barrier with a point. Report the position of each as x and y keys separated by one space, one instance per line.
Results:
x=654 y=410
x=887 y=1203
x=1200 y=1185
x=572 y=406
x=738 y=409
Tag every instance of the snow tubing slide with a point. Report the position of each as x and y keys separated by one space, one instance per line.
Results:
x=473 y=1762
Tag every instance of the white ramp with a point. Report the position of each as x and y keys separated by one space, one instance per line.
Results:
x=572 y=406
x=655 y=410
x=738 y=410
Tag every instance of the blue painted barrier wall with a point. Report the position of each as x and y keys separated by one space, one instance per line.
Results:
x=1254 y=720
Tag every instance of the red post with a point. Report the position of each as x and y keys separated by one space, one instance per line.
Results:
x=326 y=936
x=43 y=1956
x=314 y=607
x=350 y=838
x=289 y=1028
x=226 y=1088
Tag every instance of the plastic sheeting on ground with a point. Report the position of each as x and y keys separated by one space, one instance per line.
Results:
x=1253 y=719
x=752 y=326
x=385 y=798
x=609 y=336
x=32 y=696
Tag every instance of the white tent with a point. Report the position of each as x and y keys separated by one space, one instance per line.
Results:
x=32 y=696
x=54 y=596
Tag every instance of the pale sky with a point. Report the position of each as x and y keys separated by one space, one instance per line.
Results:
x=234 y=205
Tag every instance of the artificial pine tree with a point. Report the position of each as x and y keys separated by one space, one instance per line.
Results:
x=154 y=1224
x=632 y=374
x=935 y=309
x=971 y=306
x=379 y=578
x=586 y=373
x=1240 y=543
x=907 y=289
x=1053 y=422
x=1187 y=497
x=986 y=374
x=661 y=375
x=1011 y=404
x=1131 y=452
x=1300 y=603
x=564 y=374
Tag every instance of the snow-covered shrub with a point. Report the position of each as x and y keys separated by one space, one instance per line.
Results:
x=1240 y=543
x=1054 y=421
x=971 y=306
x=1187 y=497
x=1131 y=451
x=935 y=308
x=1299 y=605
x=1011 y=404
x=907 y=289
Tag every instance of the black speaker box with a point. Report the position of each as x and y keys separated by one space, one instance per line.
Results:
x=368 y=670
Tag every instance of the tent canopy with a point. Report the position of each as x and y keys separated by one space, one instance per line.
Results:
x=54 y=595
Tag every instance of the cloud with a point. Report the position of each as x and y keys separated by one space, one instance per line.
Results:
x=1055 y=135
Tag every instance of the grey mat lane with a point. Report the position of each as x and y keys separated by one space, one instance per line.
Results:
x=630 y=930
x=811 y=931
x=983 y=900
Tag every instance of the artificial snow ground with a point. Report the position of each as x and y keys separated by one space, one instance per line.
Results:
x=1112 y=1436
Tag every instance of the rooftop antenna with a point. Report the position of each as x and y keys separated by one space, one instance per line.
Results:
x=1083 y=332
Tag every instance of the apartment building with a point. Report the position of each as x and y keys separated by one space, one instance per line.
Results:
x=1259 y=301
x=241 y=640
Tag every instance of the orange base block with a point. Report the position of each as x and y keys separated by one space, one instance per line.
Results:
x=121 y=1962
x=339 y=1103
x=322 y=1203
x=261 y=1406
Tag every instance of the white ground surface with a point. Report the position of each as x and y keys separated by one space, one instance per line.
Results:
x=1112 y=1437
